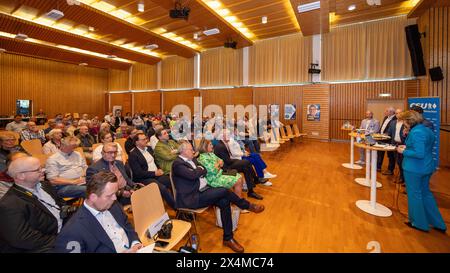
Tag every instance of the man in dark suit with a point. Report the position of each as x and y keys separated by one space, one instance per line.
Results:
x=143 y=166
x=386 y=128
x=223 y=152
x=192 y=192
x=30 y=210
x=398 y=138
x=109 y=163
x=100 y=225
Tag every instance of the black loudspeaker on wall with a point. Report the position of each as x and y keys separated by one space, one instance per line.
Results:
x=415 y=50
x=436 y=73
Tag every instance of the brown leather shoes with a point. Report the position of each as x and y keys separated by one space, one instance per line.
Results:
x=256 y=208
x=234 y=245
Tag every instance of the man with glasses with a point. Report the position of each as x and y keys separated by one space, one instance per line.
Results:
x=66 y=169
x=146 y=171
x=109 y=163
x=33 y=132
x=7 y=147
x=30 y=210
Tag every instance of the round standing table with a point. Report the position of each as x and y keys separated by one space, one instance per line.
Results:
x=371 y=206
x=352 y=164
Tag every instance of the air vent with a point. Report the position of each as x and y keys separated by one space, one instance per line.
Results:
x=21 y=36
x=211 y=31
x=308 y=7
x=55 y=14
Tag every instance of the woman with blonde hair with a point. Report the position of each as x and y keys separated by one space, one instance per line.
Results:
x=213 y=165
x=418 y=166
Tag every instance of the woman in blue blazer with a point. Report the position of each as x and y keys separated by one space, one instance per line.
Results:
x=418 y=166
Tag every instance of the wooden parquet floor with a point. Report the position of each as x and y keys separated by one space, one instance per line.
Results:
x=311 y=208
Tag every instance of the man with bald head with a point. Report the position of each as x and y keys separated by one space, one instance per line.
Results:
x=31 y=208
x=370 y=125
x=33 y=132
x=389 y=121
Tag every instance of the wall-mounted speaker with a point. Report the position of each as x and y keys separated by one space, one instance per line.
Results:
x=436 y=73
x=415 y=50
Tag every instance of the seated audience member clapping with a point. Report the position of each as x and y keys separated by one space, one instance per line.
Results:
x=237 y=150
x=66 y=169
x=142 y=164
x=165 y=151
x=189 y=179
x=106 y=137
x=32 y=132
x=30 y=210
x=213 y=166
x=222 y=150
x=100 y=225
x=108 y=163
x=7 y=147
x=54 y=144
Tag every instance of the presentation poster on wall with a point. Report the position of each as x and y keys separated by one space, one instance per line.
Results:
x=289 y=111
x=431 y=112
x=313 y=112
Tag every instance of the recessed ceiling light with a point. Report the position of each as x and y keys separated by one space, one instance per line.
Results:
x=141 y=7
x=82 y=64
x=195 y=36
x=264 y=20
x=351 y=7
x=91 y=29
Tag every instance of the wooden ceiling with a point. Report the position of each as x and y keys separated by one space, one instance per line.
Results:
x=116 y=27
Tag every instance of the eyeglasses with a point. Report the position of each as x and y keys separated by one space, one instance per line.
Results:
x=33 y=171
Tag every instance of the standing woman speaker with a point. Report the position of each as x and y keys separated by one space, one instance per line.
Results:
x=418 y=166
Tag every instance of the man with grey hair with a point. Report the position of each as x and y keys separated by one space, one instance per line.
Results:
x=33 y=132
x=17 y=125
x=66 y=169
x=192 y=192
x=30 y=210
x=370 y=125
x=388 y=121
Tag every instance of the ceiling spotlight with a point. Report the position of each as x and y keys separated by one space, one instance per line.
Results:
x=141 y=7
x=351 y=7
x=264 y=20
x=195 y=36
x=91 y=29
x=151 y=47
x=82 y=64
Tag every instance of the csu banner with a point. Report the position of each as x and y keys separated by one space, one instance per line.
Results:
x=431 y=112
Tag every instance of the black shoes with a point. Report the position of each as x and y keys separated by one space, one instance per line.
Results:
x=254 y=195
x=262 y=180
x=409 y=224
x=444 y=231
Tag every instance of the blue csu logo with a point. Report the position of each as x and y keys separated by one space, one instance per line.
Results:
x=425 y=106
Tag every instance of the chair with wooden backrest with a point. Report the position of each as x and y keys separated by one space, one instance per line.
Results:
x=283 y=133
x=148 y=207
x=80 y=150
x=121 y=142
x=95 y=145
x=192 y=212
x=297 y=131
x=289 y=131
x=276 y=136
x=33 y=147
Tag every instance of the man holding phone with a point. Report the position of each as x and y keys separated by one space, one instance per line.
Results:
x=100 y=225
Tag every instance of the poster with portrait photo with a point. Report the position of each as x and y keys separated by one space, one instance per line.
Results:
x=290 y=111
x=313 y=112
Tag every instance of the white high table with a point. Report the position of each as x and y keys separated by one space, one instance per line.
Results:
x=371 y=206
x=352 y=164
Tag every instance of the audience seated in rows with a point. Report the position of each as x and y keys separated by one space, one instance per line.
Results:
x=190 y=193
x=66 y=169
x=32 y=210
x=99 y=225
x=145 y=170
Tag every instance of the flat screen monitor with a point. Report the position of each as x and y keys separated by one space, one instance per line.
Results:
x=23 y=107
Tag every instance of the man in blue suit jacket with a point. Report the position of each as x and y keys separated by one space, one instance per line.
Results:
x=100 y=225
x=418 y=166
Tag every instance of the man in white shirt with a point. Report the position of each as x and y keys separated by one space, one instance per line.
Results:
x=66 y=169
x=17 y=125
x=370 y=125
x=100 y=225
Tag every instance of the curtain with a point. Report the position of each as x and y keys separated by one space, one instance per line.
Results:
x=177 y=72
x=221 y=67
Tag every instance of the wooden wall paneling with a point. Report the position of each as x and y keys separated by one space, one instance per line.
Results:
x=317 y=94
x=150 y=102
x=53 y=86
x=143 y=77
x=281 y=95
x=444 y=151
x=172 y=98
x=223 y=97
x=123 y=99
x=348 y=101
x=118 y=80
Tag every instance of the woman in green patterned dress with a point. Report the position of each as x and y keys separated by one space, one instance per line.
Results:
x=213 y=165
